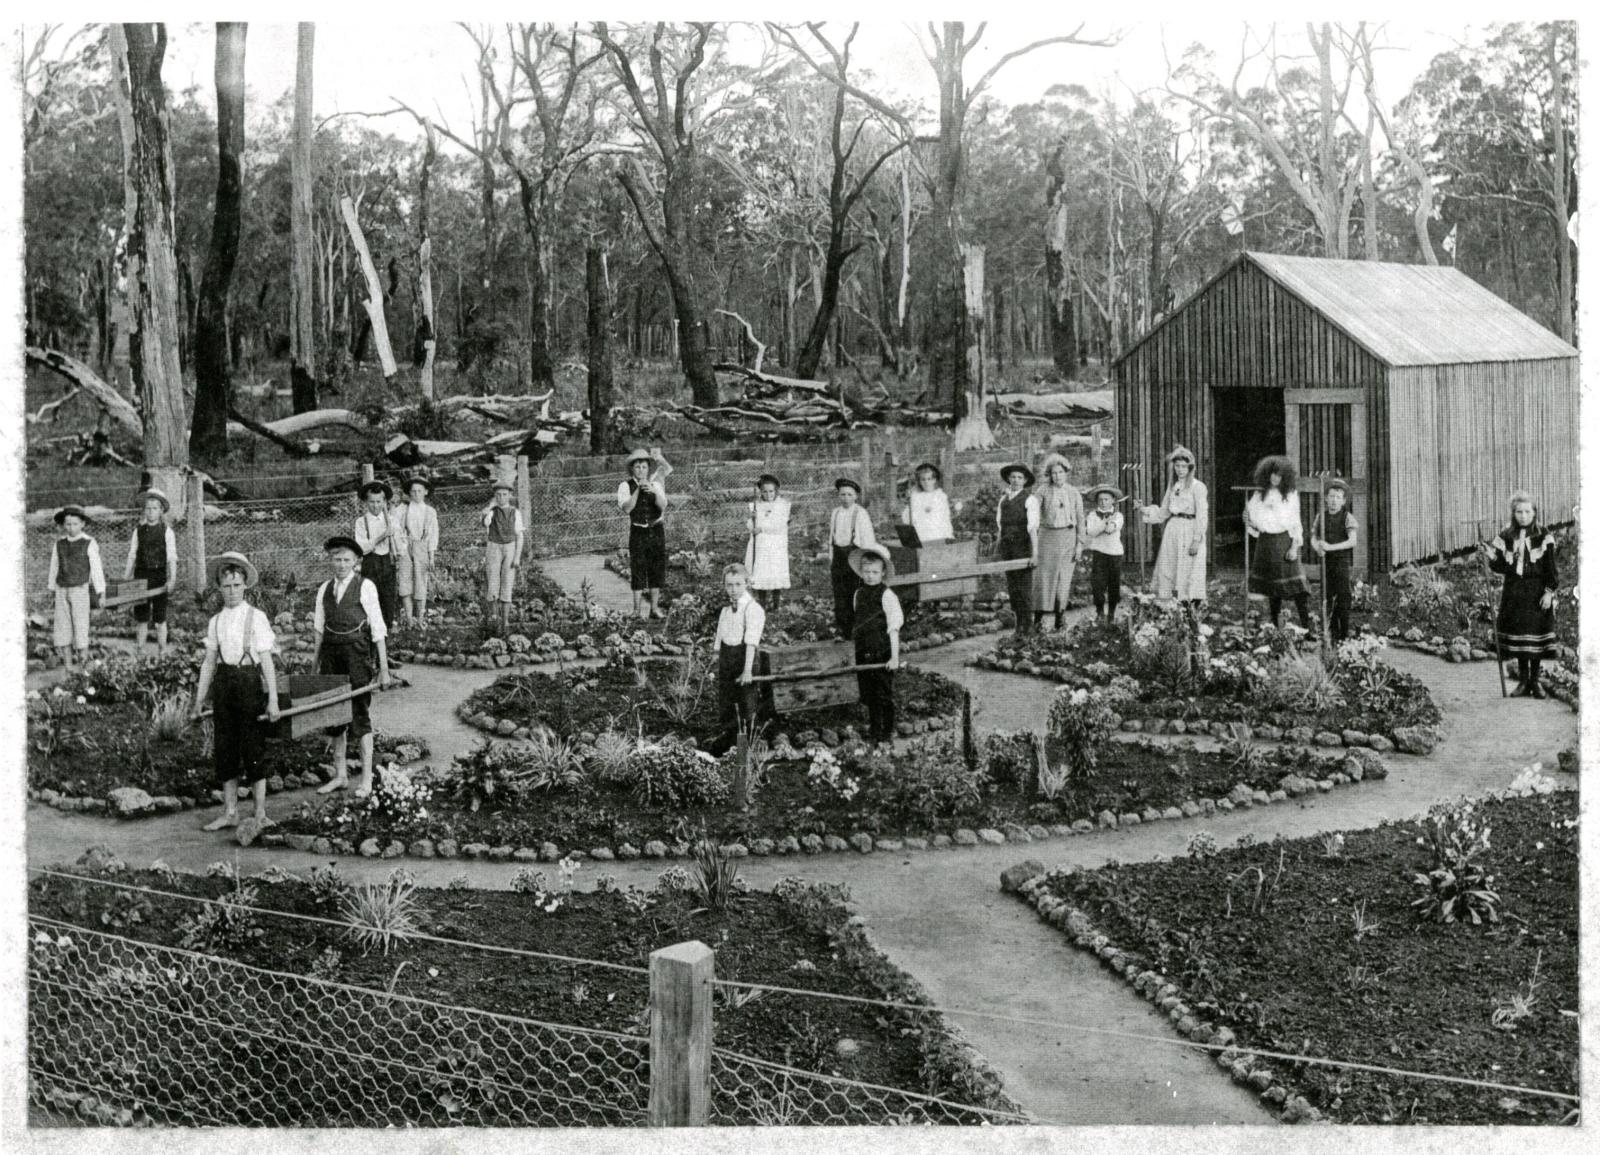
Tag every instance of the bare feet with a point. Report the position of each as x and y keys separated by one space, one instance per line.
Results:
x=364 y=787
x=333 y=784
x=230 y=819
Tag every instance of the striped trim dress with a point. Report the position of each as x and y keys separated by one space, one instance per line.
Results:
x=1527 y=560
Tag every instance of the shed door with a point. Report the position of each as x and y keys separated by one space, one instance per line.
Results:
x=1325 y=430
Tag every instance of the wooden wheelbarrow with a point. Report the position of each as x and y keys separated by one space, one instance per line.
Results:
x=313 y=702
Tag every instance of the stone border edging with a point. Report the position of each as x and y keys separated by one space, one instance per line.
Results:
x=1442 y=650
x=1026 y=880
x=1354 y=768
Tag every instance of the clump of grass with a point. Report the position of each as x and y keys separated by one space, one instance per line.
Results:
x=169 y=720
x=378 y=915
x=715 y=874
x=1518 y=1006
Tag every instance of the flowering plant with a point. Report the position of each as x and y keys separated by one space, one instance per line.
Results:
x=399 y=798
x=1456 y=886
x=548 y=641
x=519 y=643
x=1081 y=722
x=493 y=646
x=825 y=771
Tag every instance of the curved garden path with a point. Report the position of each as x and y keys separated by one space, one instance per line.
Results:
x=941 y=916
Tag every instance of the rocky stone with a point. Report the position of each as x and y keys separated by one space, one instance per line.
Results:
x=1352 y=769
x=1260 y=797
x=506 y=727
x=627 y=852
x=1299 y=735
x=1012 y=878
x=1415 y=739
x=603 y=854
x=1190 y=809
x=1241 y=795
x=447 y=848
x=1328 y=738
x=1177 y=726
x=549 y=852
x=655 y=848
x=129 y=801
x=1355 y=737
x=525 y=854
x=1294 y=785
x=421 y=848
x=862 y=842
x=1275 y=1095
x=835 y=844
x=736 y=850
x=1105 y=820
x=369 y=848
x=321 y=846
x=889 y=845
x=1171 y=813
x=476 y=850
x=811 y=844
x=1155 y=725
x=965 y=837
x=942 y=842
x=576 y=855
x=522 y=734
x=1269 y=733
x=1324 y=785
x=1062 y=829
x=761 y=847
x=1133 y=725
x=1224 y=805
x=1126 y=820
x=298 y=841
x=1278 y=796
x=1036 y=832
x=915 y=843
x=995 y=838
x=1149 y=814
x=1381 y=744
x=394 y=849
x=1339 y=779
x=1083 y=826
x=1260 y=1079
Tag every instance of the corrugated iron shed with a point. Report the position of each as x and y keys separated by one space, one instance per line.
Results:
x=1414 y=314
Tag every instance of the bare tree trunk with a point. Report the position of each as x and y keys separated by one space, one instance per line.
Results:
x=213 y=394
x=375 y=294
x=972 y=430
x=153 y=350
x=302 y=324
x=426 y=343
x=1558 y=134
x=1057 y=273
x=598 y=287
x=1369 y=197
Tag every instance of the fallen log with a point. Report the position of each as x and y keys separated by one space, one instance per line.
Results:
x=119 y=408
x=292 y=448
x=317 y=419
x=772 y=380
x=48 y=411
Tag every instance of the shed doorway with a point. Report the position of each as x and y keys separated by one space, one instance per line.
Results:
x=1248 y=424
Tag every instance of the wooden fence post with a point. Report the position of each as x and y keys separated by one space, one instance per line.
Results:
x=525 y=506
x=889 y=511
x=680 y=1034
x=197 y=528
x=368 y=474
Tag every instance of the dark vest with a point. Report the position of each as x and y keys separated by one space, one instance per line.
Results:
x=645 y=510
x=503 y=525
x=871 y=630
x=72 y=562
x=152 y=554
x=343 y=618
x=1014 y=515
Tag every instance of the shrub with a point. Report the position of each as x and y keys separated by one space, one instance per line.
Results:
x=752 y=756
x=1302 y=682
x=925 y=790
x=1008 y=758
x=1243 y=752
x=716 y=873
x=1080 y=725
x=399 y=799
x=226 y=924
x=674 y=879
x=1202 y=844
x=673 y=773
x=483 y=776
x=826 y=772
x=527 y=880
x=550 y=763
x=378 y=915
x=1456 y=885
x=679 y=693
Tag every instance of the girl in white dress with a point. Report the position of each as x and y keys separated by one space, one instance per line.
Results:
x=927 y=508
x=1185 y=514
x=766 y=555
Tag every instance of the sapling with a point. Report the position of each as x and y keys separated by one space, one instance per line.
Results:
x=1519 y=1005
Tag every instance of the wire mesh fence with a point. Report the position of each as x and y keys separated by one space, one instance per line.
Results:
x=570 y=505
x=122 y=1032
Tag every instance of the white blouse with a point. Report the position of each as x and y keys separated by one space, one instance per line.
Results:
x=929 y=514
x=1274 y=514
x=741 y=624
x=225 y=636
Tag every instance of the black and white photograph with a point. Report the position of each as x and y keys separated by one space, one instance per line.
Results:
x=1017 y=576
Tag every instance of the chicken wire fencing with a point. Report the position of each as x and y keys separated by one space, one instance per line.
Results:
x=569 y=506
x=125 y=1033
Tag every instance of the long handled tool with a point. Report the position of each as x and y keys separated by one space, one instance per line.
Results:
x=1499 y=654
x=1322 y=513
x=316 y=704
x=1247 y=490
x=836 y=672
x=107 y=603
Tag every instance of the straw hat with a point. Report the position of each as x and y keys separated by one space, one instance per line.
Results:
x=847 y=483
x=376 y=486
x=1179 y=453
x=1016 y=467
x=857 y=556
x=637 y=455
x=232 y=558
x=1054 y=459
x=1095 y=491
x=154 y=494
x=418 y=480
x=344 y=541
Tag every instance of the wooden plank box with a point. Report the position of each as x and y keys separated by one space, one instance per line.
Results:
x=788 y=697
x=933 y=558
x=304 y=688
x=121 y=587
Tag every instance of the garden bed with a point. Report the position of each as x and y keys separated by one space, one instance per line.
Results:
x=115 y=738
x=1261 y=678
x=797 y=936
x=1313 y=946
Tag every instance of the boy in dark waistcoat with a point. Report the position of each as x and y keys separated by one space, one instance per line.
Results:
x=153 y=556
x=878 y=619
x=348 y=627
x=75 y=577
x=503 y=554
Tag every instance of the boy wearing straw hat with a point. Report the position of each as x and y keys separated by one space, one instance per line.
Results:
x=382 y=537
x=238 y=669
x=76 y=578
x=420 y=523
x=153 y=556
x=878 y=619
x=504 y=552
x=347 y=627
x=1103 y=529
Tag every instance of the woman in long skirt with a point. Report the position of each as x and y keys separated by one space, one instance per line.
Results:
x=1525 y=554
x=766 y=556
x=1060 y=540
x=1184 y=515
x=1272 y=517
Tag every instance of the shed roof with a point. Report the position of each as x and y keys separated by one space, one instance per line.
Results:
x=1410 y=314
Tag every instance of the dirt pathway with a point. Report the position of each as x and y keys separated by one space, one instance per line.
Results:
x=940 y=915
x=606 y=587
